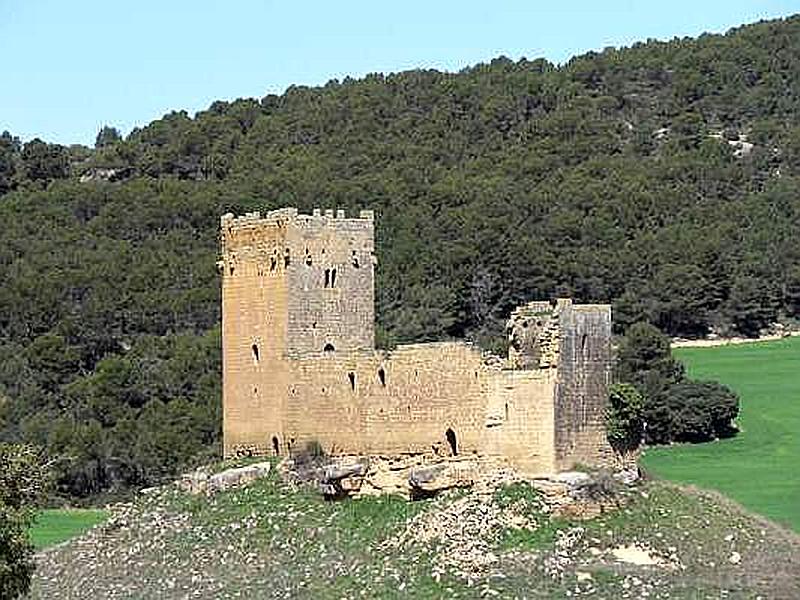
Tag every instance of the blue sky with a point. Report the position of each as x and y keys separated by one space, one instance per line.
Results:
x=70 y=67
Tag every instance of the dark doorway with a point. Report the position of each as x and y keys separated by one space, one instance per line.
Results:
x=276 y=449
x=352 y=377
x=451 y=439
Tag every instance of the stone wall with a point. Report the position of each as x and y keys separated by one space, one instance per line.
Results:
x=254 y=308
x=299 y=363
x=584 y=372
x=331 y=275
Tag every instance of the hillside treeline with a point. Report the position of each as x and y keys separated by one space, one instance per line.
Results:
x=662 y=178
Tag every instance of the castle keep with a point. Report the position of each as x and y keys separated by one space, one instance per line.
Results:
x=300 y=365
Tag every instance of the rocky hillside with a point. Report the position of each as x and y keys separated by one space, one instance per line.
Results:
x=505 y=540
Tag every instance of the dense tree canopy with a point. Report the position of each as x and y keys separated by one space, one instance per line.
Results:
x=662 y=178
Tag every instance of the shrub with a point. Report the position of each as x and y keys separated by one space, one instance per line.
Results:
x=644 y=359
x=22 y=483
x=691 y=411
x=625 y=417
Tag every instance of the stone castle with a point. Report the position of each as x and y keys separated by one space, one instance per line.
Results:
x=300 y=364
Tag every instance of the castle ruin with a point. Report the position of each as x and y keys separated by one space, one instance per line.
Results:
x=300 y=363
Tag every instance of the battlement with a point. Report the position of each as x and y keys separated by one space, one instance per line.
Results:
x=290 y=214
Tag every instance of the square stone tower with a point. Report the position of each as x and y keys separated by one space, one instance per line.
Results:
x=292 y=285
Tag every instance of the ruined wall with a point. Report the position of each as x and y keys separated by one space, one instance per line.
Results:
x=584 y=372
x=526 y=328
x=299 y=363
x=407 y=400
x=403 y=401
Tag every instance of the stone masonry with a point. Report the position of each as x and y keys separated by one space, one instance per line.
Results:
x=300 y=366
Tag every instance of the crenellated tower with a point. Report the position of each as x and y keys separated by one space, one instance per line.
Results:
x=292 y=285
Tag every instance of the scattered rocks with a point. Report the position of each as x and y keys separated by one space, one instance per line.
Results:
x=462 y=533
x=627 y=476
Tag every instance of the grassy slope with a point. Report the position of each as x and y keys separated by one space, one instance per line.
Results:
x=271 y=541
x=58 y=525
x=758 y=467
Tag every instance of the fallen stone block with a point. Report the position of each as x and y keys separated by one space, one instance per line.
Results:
x=440 y=477
x=201 y=482
x=236 y=477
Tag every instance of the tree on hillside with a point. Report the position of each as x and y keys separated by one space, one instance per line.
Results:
x=9 y=149
x=107 y=136
x=675 y=408
x=644 y=358
x=23 y=481
x=750 y=306
x=42 y=162
x=792 y=291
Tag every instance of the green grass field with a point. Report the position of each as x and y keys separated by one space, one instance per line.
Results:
x=58 y=525
x=760 y=467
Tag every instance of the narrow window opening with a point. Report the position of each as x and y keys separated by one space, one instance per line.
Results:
x=352 y=377
x=382 y=376
x=329 y=347
x=451 y=440
x=286 y=258
x=273 y=263
x=355 y=260
x=308 y=258
x=583 y=343
x=327 y=278
x=506 y=411
x=232 y=269
x=314 y=325
x=256 y=353
x=276 y=449
x=333 y=278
